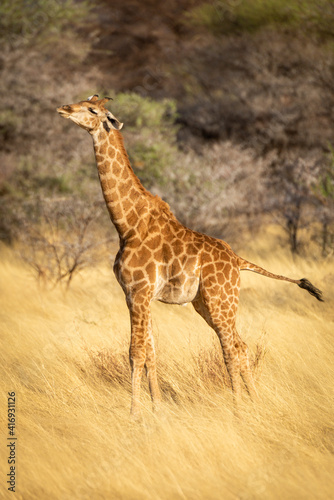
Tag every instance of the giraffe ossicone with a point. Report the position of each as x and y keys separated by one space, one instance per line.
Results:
x=161 y=259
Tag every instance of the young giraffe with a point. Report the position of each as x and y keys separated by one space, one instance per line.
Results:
x=160 y=259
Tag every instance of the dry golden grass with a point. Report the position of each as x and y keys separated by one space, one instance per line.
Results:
x=66 y=357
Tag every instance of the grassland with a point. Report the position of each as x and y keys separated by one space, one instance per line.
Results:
x=65 y=356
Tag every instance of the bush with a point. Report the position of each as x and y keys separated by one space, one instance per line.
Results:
x=150 y=129
x=58 y=239
x=23 y=22
x=324 y=190
x=226 y=16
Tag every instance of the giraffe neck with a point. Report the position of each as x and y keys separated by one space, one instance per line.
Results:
x=127 y=200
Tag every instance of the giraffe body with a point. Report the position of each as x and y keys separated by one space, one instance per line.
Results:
x=160 y=259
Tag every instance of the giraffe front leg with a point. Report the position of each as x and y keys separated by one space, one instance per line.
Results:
x=139 y=336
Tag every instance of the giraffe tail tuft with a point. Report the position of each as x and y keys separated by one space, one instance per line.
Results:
x=307 y=285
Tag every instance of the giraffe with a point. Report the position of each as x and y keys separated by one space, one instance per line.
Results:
x=161 y=259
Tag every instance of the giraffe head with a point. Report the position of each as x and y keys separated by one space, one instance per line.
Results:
x=91 y=114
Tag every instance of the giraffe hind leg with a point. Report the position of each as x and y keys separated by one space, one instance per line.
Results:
x=151 y=370
x=225 y=334
x=245 y=368
x=235 y=351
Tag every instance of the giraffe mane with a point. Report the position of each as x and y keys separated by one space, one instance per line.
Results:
x=159 y=204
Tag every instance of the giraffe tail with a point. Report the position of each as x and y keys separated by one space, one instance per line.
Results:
x=307 y=285
x=244 y=265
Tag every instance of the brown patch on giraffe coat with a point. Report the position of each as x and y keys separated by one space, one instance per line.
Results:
x=208 y=269
x=140 y=257
x=116 y=169
x=134 y=260
x=167 y=253
x=151 y=271
x=181 y=234
x=111 y=151
x=189 y=263
x=142 y=206
x=138 y=275
x=156 y=213
x=175 y=267
x=127 y=205
x=132 y=217
x=158 y=256
x=124 y=187
x=133 y=242
x=99 y=158
x=227 y=269
x=234 y=277
x=116 y=207
x=142 y=229
x=191 y=249
x=178 y=247
x=126 y=274
x=154 y=242
x=122 y=227
x=103 y=148
x=108 y=197
x=104 y=168
x=134 y=194
x=126 y=173
x=220 y=278
x=109 y=183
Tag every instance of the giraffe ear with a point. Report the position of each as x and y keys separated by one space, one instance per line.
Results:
x=93 y=98
x=114 y=122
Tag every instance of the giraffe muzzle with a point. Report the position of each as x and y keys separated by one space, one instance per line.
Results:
x=64 y=111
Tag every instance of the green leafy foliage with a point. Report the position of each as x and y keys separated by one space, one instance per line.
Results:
x=150 y=129
x=237 y=16
x=138 y=112
x=325 y=185
x=9 y=123
x=24 y=21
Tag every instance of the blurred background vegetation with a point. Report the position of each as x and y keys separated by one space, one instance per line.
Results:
x=228 y=115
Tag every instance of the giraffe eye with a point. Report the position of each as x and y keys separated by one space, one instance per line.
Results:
x=92 y=111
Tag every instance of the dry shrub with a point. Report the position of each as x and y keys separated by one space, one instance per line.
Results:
x=258 y=359
x=211 y=369
x=57 y=239
x=178 y=382
x=211 y=192
x=112 y=367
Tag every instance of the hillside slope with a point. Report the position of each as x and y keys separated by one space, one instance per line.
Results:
x=254 y=114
